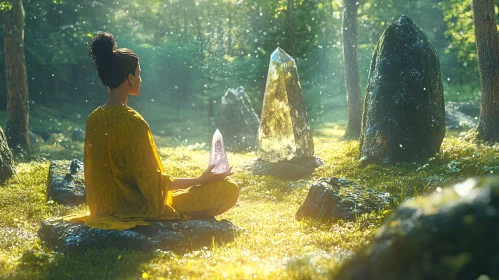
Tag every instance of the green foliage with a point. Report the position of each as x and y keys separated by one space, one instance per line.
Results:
x=205 y=47
x=5 y=6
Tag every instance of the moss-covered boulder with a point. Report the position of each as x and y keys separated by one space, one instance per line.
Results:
x=451 y=234
x=178 y=236
x=334 y=199
x=7 y=169
x=66 y=182
x=404 y=116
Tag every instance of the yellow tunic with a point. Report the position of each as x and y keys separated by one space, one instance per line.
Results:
x=124 y=177
x=125 y=180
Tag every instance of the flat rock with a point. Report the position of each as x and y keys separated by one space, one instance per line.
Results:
x=66 y=183
x=450 y=234
x=178 y=236
x=294 y=169
x=404 y=116
x=334 y=199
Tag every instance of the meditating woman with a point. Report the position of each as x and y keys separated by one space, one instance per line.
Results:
x=124 y=177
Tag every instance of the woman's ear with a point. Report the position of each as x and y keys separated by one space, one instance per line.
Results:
x=130 y=79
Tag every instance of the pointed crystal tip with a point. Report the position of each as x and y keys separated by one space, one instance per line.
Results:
x=280 y=56
x=404 y=20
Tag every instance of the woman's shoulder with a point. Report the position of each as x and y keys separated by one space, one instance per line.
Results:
x=123 y=115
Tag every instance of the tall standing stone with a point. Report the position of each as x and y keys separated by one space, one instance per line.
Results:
x=404 y=116
x=237 y=120
x=284 y=131
x=7 y=169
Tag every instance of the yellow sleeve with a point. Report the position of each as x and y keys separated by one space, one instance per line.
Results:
x=143 y=162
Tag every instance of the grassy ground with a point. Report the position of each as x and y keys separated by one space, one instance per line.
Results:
x=274 y=245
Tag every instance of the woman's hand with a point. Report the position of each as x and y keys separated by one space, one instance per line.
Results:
x=209 y=176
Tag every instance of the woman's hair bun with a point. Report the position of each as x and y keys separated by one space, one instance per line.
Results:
x=101 y=49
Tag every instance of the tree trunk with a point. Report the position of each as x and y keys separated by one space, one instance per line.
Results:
x=351 y=67
x=487 y=45
x=17 y=81
x=290 y=29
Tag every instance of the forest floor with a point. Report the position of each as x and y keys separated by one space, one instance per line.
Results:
x=273 y=246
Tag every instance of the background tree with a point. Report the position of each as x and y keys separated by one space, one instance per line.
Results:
x=487 y=45
x=351 y=68
x=17 y=82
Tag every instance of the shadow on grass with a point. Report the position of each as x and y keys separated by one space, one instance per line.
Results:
x=89 y=264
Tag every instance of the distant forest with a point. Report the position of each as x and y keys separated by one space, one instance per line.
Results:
x=192 y=51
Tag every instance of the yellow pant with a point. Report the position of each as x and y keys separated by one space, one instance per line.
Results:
x=207 y=200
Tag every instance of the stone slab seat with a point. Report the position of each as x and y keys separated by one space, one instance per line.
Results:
x=177 y=236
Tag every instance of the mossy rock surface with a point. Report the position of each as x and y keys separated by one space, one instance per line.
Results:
x=333 y=199
x=404 y=116
x=451 y=234
x=7 y=169
x=66 y=182
x=178 y=236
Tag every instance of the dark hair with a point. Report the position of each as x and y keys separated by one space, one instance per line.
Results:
x=112 y=64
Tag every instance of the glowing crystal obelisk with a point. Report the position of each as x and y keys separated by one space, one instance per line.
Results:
x=284 y=131
x=217 y=154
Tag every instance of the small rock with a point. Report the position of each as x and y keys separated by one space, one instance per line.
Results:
x=451 y=234
x=178 y=236
x=336 y=199
x=66 y=183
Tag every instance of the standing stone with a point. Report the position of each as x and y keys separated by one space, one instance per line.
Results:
x=238 y=121
x=284 y=131
x=404 y=116
x=7 y=169
x=451 y=234
x=218 y=157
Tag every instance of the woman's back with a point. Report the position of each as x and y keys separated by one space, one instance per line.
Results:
x=123 y=173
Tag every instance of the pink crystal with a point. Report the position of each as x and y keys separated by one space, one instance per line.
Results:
x=217 y=154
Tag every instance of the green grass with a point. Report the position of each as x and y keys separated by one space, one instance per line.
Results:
x=274 y=245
